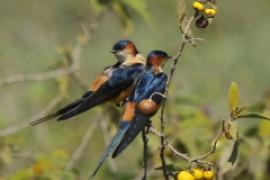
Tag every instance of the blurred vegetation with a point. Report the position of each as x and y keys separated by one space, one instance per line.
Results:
x=33 y=34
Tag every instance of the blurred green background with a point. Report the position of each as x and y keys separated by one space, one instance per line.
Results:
x=33 y=32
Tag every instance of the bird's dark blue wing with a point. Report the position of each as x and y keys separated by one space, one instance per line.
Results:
x=136 y=126
x=121 y=79
x=123 y=127
x=148 y=84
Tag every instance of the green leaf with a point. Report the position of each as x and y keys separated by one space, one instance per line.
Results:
x=233 y=96
x=253 y=115
x=264 y=129
x=234 y=154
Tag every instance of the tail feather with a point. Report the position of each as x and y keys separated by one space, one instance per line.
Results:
x=63 y=110
x=44 y=119
x=58 y=113
x=138 y=123
x=124 y=126
x=92 y=101
x=69 y=108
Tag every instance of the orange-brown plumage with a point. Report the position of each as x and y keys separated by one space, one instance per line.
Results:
x=129 y=111
x=131 y=49
x=101 y=79
x=156 y=63
x=148 y=107
x=123 y=95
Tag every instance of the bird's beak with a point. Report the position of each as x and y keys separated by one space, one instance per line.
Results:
x=169 y=57
x=113 y=51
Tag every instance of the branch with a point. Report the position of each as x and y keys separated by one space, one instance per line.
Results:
x=174 y=150
x=37 y=77
x=145 y=153
x=168 y=144
x=74 y=64
x=151 y=171
x=75 y=55
x=13 y=129
x=73 y=59
x=76 y=78
x=106 y=137
x=79 y=151
x=214 y=146
x=175 y=59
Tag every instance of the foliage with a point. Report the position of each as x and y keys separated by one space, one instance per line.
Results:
x=46 y=167
x=197 y=98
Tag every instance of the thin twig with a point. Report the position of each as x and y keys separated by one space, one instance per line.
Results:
x=74 y=63
x=73 y=59
x=174 y=150
x=107 y=139
x=81 y=148
x=168 y=144
x=76 y=77
x=37 y=77
x=182 y=155
x=162 y=157
x=145 y=153
x=150 y=172
x=13 y=129
x=214 y=146
x=173 y=67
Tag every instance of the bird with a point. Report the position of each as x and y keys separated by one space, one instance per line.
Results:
x=113 y=84
x=142 y=104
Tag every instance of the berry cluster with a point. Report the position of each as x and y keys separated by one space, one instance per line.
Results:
x=195 y=174
x=205 y=12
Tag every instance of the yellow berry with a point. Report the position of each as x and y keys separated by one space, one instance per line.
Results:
x=209 y=175
x=210 y=12
x=185 y=175
x=198 y=6
x=198 y=173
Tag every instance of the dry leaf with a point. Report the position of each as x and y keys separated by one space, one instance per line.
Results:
x=183 y=20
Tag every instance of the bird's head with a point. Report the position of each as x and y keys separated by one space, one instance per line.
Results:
x=124 y=49
x=157 y=58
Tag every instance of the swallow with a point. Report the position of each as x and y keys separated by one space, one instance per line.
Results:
x=114 y=84
x=142 y=104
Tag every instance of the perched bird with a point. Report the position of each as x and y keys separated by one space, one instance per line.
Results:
x=114 y=84
x=142 y=104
